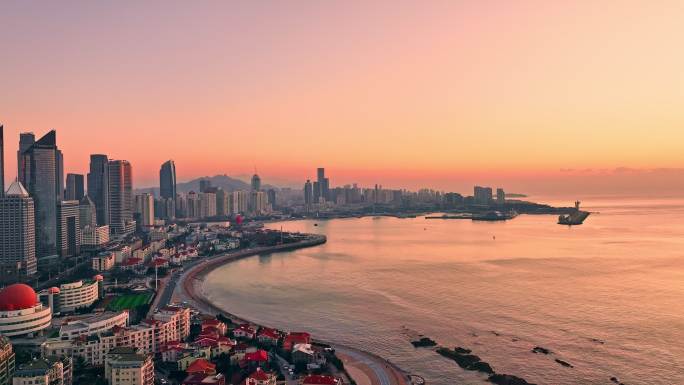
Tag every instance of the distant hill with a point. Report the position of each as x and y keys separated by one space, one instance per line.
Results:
x=224 y=181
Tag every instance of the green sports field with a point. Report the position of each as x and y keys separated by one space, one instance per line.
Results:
x=129 y=301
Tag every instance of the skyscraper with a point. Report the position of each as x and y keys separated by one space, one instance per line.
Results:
x=167 y=180
x=2 y=161
x=256 y=182
x=144 y=209
x=308 y=193
x=98 y=187
x=87 y=212
x=323 y=185
x=26 y=140
x=74 y=187
x=204 y=185
x=68 y=228
x=43 y=176
x=222 y=202
x=120 y=197
x=272 y=198
x=17 y=233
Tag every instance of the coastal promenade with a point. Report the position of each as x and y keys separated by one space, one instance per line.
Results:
x=365 y=368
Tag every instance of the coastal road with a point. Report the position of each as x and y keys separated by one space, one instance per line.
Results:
x=375 y=369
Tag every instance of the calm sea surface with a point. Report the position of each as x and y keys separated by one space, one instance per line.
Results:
x=607 y=296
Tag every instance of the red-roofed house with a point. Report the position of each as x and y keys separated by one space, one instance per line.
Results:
x=159 y=262
x=214 y=323
x=254 y=359
x=201 y=366
x=259 y=377
x=317 y=379
x=133 y=264
x=296 y=338
x=268 y=336
x=244 y=331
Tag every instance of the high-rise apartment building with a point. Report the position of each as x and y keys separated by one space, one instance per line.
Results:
x=167 y=180
x=207 y=205
x=239 y=202
x=68 y=228
x=98 y=187
x=144 y=209
x=17 y=233
x=74 y=187
x=222 y=202
x=120 y=197
x=43 y=179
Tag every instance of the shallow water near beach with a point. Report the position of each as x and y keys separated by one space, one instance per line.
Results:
x=607 y=296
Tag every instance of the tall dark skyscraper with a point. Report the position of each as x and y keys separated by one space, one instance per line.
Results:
x=17 y=233
x=43 y=173
x=308 y=193
x=68 y=228
x=167 y=180
x=2 y=161
x=323 y=185
x=256 y=182
x=120 y=197
x=98 y=187
x=74 y=187
x=204 y=185
x=26 y=140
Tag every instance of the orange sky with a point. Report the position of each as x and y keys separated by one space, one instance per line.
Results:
x=440 y=94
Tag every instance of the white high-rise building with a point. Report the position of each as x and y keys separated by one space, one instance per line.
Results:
x=144 y=208
x=17 y=233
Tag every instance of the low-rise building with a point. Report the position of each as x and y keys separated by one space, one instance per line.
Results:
x=96 y=324
x=7 y=361
x=44 y=371
x=261 y=377
x=74 y=295
x=128 y=366
x=103 y=261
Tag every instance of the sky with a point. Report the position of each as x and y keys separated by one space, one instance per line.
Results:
x=534 y=96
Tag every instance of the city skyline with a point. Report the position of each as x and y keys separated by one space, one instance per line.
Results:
x=438 y=95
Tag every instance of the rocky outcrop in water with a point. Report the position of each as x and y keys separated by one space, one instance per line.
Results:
x=465 y=360
x=564 y=363
x=540 y=350
x=507 y=379
x=424 y=342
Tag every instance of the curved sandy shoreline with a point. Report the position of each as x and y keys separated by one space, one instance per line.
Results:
x=377 y=370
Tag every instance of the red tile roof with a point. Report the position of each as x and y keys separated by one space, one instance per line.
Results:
x=260 y=375
x=201 y=365
x=258 y=356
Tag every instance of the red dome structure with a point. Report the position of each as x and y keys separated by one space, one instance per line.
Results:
x=17 y=297
x=98 y=277
x=53 y=290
